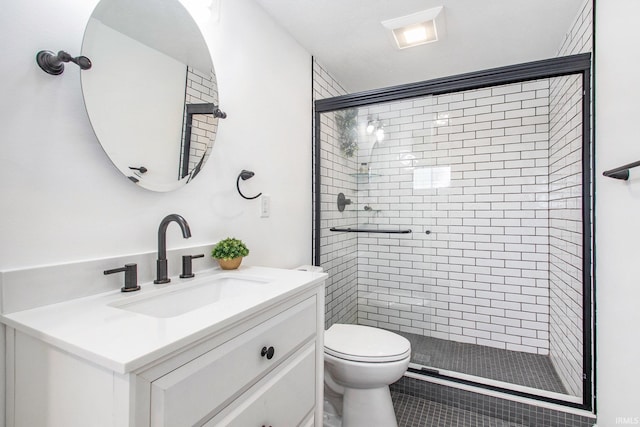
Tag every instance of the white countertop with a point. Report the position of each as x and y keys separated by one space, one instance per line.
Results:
x=124 y=341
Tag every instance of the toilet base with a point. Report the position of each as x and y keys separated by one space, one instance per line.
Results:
x=330 y=416
x=368 y=408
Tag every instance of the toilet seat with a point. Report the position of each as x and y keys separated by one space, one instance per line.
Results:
x=365 y=344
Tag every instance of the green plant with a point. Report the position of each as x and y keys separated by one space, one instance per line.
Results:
x=229 y=248
x=347 y=123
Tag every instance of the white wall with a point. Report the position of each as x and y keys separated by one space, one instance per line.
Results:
x=617 y=212
x=62 y=199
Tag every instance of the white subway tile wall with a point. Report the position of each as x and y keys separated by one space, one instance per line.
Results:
x=565 y=212
x=338 y=253
x=200 y=89
x=471 y=168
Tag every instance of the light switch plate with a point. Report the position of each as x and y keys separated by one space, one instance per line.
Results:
x=265 y=206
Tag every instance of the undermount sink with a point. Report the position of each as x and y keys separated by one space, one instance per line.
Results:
x=180 y=299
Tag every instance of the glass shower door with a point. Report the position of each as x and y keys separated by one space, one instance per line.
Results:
x=394 y=195
x=455 y=220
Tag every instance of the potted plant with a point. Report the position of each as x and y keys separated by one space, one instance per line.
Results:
x=229 y=253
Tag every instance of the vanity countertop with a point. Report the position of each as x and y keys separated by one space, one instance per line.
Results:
x=124 y=341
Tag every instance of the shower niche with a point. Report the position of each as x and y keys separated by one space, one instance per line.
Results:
x=469 y=229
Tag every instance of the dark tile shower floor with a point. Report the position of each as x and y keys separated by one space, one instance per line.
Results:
x=415 y=412
x=526 y=369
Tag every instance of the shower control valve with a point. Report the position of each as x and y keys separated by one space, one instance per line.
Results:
x=342 y=202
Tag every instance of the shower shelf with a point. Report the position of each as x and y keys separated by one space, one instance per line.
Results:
x=621 y=172
x=364 y=177
x=369 y=230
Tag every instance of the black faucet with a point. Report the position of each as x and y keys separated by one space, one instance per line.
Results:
x=161 y=263
x=130 y=277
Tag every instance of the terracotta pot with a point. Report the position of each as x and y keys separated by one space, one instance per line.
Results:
x=230 y=264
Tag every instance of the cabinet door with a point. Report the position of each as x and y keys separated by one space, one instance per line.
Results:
x=202 y=387
x=284 y=399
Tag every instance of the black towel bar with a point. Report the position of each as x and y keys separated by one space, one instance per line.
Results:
x=369 y=230
x=622 y=172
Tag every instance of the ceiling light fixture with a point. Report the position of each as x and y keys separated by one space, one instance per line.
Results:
x=416 y=29
x=375 y=126
x=371 y=125
x=415 y=34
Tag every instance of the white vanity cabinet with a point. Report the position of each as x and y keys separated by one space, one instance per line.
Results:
x=263 y=369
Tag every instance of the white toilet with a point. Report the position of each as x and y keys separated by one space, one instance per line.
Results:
x=360 y=362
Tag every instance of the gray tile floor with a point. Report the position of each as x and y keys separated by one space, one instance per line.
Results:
x=415 y=412
x=531 y=370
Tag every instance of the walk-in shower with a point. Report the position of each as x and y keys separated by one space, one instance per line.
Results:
x=456 y=212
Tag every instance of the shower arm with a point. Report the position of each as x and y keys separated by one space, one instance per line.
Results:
x=375 y=143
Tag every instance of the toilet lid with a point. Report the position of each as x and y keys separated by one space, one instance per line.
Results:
x=365 y=344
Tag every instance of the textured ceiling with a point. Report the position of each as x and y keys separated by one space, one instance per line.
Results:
x=346 y=36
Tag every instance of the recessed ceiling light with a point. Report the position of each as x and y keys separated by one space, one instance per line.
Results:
x=415 y=34
x=415 y=29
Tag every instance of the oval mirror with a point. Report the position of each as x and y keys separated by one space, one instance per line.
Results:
x=151 y=94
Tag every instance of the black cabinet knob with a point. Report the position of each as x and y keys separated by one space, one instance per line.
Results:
x=269 y=352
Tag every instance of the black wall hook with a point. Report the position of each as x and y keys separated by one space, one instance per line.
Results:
x=53 y=64
x=245 y=175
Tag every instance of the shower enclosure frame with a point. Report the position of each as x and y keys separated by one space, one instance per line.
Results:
x=555 y=67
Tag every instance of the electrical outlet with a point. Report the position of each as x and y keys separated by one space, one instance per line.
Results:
x=265 y=206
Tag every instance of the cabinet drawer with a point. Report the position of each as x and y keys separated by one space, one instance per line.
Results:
x=200 y=388
x=283 y=399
